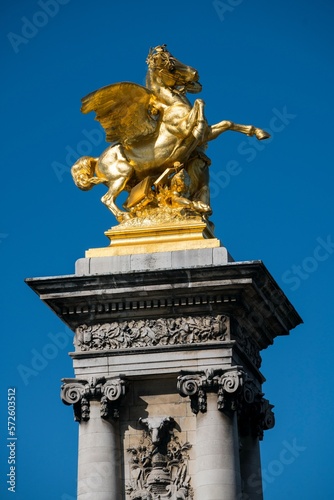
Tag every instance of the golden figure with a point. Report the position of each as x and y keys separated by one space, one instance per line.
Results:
x=157 y=141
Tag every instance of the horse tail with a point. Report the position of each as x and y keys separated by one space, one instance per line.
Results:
x=83 y=173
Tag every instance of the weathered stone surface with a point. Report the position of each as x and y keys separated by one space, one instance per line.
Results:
x=146 y=320
x=151 y=332
x=244 y=290
x=153 y=261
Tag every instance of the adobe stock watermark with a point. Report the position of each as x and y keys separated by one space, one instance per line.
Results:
x=249 y=149
x=40 y=359
x=84 y=147
x=262 y=478
x=298 y=273
x=223 y=8
x=31 y=27
x=3 y=236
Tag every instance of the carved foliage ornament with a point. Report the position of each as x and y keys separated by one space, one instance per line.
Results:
x=159 y=463
x=151 y=332
x=78 y=392
x=248 y=345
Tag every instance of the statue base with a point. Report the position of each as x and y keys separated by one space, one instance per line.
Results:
x=177 y=235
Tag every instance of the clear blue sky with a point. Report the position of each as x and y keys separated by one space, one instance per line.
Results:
x=266 y=63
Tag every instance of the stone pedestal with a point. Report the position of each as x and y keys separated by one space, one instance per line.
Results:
x=167 y=387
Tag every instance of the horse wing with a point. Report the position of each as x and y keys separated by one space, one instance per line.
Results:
x=123 y=109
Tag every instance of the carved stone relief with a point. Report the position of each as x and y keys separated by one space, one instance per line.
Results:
x=151 y=332
x=235 y=392
x=226 y=383
x=80 y=392
x=247 y=344
x=159 y=463
x=255 y=413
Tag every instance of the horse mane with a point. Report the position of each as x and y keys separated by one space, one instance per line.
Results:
x=160 y=58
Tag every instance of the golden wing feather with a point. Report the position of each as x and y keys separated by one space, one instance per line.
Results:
x=123 y=109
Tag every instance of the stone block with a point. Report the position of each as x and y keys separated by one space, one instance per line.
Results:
x=114 y=265
x=164 y=387
x=220 y=256
x=184 y=259
x=187 y=423
x=82 y=267
x=153 y=261
x=143 y=262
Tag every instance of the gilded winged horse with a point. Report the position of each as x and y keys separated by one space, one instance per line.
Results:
x=150 y=130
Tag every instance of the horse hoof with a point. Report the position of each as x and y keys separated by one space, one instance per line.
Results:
x=202 y=207
x=261 y=134
x=123 y=217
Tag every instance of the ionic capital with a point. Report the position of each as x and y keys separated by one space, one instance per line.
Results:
x=226 y=383
x=255 y=413
x=79 y=393
x=265 y=417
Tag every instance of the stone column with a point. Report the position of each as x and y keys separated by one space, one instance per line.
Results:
x=255 y=417
x=250 y=465
x=95 y=407
x=217 y=442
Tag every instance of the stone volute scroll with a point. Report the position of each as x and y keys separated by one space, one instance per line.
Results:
x=79 y=393
x=255 y=415
x=226 y=383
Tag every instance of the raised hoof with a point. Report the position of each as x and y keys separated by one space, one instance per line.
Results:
x=261 y=134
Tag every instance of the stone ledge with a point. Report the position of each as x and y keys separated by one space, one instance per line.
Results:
x=152 y=361
x=179 y=259
x=240 y=289
x=165 y=360
x=125 y=351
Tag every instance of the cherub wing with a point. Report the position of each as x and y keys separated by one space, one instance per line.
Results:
x=124 y=111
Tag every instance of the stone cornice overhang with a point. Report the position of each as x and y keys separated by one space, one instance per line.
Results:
x=244 y=290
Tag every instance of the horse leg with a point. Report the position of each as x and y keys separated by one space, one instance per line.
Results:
x=115 y=168
x=217 y=129
x=196 y=116
x=115 y=188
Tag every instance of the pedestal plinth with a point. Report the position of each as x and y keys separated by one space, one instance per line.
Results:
x=155 y=238
x=183 y=330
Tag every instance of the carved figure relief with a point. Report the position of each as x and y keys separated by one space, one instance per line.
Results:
x=159 y=463
x=247 y=344
x=151 y=332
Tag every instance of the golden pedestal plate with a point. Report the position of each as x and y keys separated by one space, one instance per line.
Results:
x=154 y=237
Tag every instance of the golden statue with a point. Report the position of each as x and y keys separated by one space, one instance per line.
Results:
x=158 y=139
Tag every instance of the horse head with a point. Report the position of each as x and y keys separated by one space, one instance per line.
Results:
x=171 y=72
